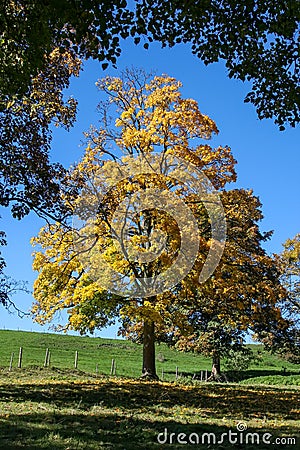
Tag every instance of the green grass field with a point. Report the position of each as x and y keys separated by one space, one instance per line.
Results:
x=128 y=356
x=59 y=407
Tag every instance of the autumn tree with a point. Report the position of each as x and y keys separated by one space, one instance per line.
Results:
x=259 y=41
x=124 y=258
x=244 y=293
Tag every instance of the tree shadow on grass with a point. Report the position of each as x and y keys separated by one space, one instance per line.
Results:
x=45 y=431
x=126 y=414
x=240 y=375
x=218 y=400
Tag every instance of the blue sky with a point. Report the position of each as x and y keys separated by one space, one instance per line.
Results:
x=268 y=160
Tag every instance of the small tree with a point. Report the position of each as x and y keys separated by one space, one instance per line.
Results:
x=240 y=360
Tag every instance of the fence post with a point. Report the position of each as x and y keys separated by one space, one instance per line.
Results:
x=49 y=357
x=46 y=357
x=206 y=375
x=162 y=374
x=20 y=358
x=176 y=372
x=11 y=361
x=76 y=360
x=112 y=366
x=96 y=369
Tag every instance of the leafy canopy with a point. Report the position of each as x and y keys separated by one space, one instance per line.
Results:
x=259 y=41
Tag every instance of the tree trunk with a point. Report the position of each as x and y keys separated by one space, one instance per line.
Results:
x=216 y=369
x=216 y=366
x=149 y=369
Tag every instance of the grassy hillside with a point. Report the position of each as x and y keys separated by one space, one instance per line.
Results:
x=128 y=356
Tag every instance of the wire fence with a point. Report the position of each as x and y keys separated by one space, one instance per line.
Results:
x=112 y=366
